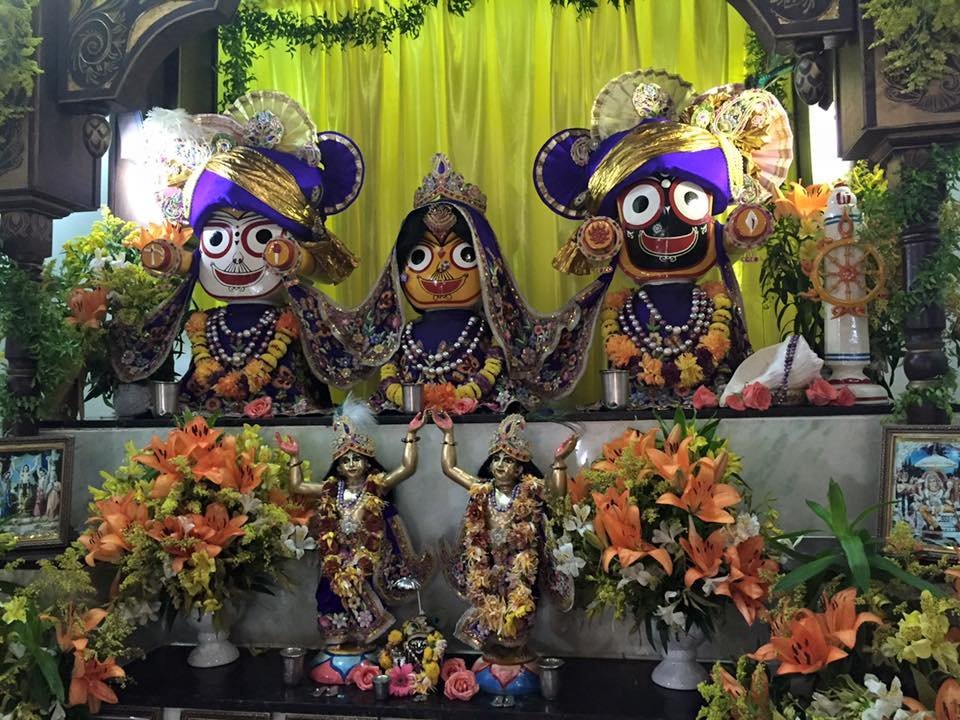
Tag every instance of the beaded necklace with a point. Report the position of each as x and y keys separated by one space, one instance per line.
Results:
x=436 y=365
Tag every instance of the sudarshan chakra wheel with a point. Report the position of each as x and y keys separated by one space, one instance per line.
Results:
x=848 y=274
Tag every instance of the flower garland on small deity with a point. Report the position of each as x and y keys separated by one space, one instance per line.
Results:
x=646 y=180
x=475 y=342
x=417 y=645
x=254 y=186
x=504 y=548
x=363 y=543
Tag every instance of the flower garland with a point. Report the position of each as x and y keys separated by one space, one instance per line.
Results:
x=686 y=370
x=476 y=387
x=253 y=377
x=346 y=564
x=517 y=558
x=425 y=679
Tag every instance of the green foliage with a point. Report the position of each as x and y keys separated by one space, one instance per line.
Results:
x=766 y=71
x=369 y=27
x=919 y=38
x=18 y=68
x=859 y=560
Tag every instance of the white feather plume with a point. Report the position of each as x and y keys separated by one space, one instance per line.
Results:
x=358 y=413
x=177 y=123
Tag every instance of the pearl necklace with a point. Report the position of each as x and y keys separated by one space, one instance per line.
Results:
x=675 y=339
x=438 y=364
x=495 y=503
x=251 y=341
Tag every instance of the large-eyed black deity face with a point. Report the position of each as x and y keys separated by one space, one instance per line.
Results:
x=505 y=470
x=352 y=466
x=668 y=229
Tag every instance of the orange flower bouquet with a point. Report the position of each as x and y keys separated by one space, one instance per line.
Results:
x=195 y=519
x=661 y=527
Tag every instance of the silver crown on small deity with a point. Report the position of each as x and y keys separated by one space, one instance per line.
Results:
x=443 y=183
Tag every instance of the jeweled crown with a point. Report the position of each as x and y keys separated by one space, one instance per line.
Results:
x=510 y=440
x=347 y=437
x=443 y=183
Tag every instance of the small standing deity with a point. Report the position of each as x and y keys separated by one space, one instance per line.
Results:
x=367 y=560
x=503 y=550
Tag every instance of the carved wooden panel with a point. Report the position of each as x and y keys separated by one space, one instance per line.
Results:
x=112 y=46
x=782 y=22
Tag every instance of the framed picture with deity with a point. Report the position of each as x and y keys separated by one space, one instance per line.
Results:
x=35 y=479
x=921 y=484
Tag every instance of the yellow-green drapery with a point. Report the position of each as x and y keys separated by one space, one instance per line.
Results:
x=488 y=89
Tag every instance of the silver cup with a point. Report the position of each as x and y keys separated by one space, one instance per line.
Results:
x=550 y=677
x=381 y=687
x=412 y=397
x=292 y=665
x=616 y=388
x=164 y=397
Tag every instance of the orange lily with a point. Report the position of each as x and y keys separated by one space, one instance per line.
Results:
x=674 y=466
x=578 y=488
x=196 y=435
x=224 y=467
x=840 y=619
x=88 y=307
x=731 y=685
x=617 y=525
x=802 y=202
x=216 y=527
x=805 y=651
x=88 y=686
x=172 y=538
x=119 y=513
x=702 y=496
x=104 y=545
x=158 y=457
x=672 y=442
x=705 y=554
x=631 y=441
x=744 y=586
x=72 y=630
x=948 y=700
x=299 y=508
x=167 y=232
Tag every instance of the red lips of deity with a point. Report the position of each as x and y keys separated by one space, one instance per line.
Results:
x=237 y=279
x=668 y=246
x=442 y=288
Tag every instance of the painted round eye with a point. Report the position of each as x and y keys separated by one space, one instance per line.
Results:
x=215 y=240
x=690 y=202
x=642 y=204
x=464 y=256
x=256 y=236
x=420 y=258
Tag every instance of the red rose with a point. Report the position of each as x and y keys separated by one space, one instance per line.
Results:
x=845 y=398
x=735 y=402
x=820 y=392
x=463 y=406
x=756 y=396
x=462 y=685
x=362 y=675
x=704 y=397
x=260 y=408
x=451 y=666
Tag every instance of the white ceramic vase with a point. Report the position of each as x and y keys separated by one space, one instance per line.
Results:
x=214 y=648
x=679 y=669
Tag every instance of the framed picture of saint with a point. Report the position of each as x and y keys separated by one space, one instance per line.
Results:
x=921 y=484
x=35 y=478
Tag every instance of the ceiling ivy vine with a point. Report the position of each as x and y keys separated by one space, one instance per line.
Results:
x=253 y=28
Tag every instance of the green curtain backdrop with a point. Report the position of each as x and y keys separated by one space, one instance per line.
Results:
x=488 y=89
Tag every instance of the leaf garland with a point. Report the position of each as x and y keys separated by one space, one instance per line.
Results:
x=18 y=66
x=253 y=27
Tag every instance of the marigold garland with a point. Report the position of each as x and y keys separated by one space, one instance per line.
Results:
x=474 y=389
x=255 y=375
x=688 y=369
x=519 y=559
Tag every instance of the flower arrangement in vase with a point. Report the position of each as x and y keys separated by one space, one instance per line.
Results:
x=59 y=648
x=854 y=635
x=193 y=522
x=661 y=527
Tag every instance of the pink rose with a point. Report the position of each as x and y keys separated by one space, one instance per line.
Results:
x=820 y=392
x=704 y=397
x=362 y=675
x=462 y=685
x=451 y=666
x=260 y=408
x=735 y=402
x=401 y=680
x=756 y=396
x=464 y=406
x=845 y=398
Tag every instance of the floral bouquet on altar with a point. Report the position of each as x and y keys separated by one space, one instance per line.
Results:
x=195 y=519
x=661 y=527
x=856 y=634
x=59 y=648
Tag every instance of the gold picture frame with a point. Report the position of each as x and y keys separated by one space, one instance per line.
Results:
x=36 y=478
x=920 y=484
